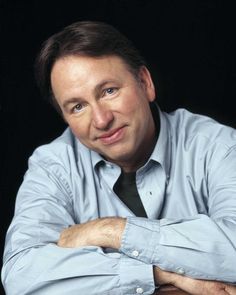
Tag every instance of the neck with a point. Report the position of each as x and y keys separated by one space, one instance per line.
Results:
x=134 y=165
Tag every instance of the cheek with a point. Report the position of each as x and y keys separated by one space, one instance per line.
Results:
x=79 y=128
x=136 y=108
x=130 y=103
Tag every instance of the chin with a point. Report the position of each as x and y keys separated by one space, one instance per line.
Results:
x=119 y=152
x=121 y=157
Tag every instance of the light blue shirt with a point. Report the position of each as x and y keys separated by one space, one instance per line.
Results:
x=188 y=189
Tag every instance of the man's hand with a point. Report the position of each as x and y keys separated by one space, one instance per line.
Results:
x=202 y=287
x=102 y=232
x=192 y=286
x=107 y=232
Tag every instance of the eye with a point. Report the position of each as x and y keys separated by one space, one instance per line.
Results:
x=110 y=90
x=77 y=108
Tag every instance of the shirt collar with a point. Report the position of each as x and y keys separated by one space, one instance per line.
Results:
x=85 y=153
x=96 y=158
x=162 y=151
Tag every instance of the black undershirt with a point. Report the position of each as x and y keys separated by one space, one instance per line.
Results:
x=126 y=189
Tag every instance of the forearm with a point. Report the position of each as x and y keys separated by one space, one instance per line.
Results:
x=102 y=232
x=192 y=286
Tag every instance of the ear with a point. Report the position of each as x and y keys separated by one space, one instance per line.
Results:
x=147 y=83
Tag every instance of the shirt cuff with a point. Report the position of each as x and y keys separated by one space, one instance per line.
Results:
x=135 y=277
x=141 y=239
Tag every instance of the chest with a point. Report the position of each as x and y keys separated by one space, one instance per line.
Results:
x=180 y=194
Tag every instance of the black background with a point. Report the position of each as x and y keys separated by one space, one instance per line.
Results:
x=189 y=46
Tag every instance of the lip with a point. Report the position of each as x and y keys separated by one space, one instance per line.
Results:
x=112 y=136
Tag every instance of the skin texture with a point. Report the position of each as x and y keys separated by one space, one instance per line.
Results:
x=103 y=232
x=107 y=108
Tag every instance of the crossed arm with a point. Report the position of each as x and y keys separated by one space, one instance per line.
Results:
x=43 y=209
x=107 y=233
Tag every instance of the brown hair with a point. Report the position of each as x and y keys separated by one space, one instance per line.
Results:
x=85 y=38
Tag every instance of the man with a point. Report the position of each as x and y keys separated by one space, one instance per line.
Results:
x=129 y=197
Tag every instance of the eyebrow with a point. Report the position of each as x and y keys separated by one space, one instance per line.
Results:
x=70 y=101
x=96 y=90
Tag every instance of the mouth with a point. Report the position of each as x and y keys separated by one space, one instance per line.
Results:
x=112 y=136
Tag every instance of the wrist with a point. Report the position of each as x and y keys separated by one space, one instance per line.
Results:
x=162 y=277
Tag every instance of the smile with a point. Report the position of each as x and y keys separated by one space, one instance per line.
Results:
x=113 y=136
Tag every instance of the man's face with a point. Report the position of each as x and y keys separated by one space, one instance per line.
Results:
x=107 y=107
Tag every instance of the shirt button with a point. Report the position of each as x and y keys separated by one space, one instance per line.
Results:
x=109 y=165
x=139 y=290
x=181 y=271
x=149 y=194
x=135 y=253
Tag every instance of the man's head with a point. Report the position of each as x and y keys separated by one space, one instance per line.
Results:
x=85 y=38
x=102 y=89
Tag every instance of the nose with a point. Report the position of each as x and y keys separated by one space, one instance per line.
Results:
x=102 y=117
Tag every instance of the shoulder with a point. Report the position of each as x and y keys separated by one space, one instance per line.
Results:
x=63 y=151
x=189 y=127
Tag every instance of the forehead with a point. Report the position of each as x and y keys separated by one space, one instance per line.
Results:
x=80 y=76
x=85 y=64
x=73 y=73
